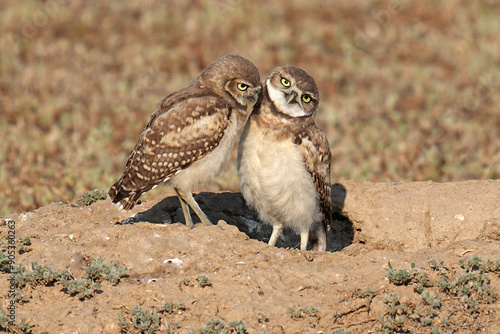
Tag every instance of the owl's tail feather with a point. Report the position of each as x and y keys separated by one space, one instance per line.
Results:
x=123 y=198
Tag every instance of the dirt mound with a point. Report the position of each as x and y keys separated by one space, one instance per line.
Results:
x=402 y=257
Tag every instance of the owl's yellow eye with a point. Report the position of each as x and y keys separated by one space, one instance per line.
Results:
x=242 y=86
x=306 y=98
x=285 y=82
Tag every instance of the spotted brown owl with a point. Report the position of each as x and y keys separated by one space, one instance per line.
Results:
x=284 y=159
x=191 y=134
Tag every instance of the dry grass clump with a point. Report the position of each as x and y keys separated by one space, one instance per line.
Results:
x=409 y=92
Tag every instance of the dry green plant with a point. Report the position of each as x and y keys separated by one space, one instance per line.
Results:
x=464 y=291
x=17 y=327
x=139 y=320
x=92 y=196
x=215 y=326
x=82 y=288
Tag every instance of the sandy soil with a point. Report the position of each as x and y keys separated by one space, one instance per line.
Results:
x=405 y=224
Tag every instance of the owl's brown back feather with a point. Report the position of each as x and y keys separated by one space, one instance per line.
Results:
x=173 y=139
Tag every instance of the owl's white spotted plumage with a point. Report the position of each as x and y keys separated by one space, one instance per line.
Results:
x=190 y=135
x=284 y=159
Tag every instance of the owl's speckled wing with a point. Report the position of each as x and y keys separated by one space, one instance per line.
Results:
x=317 y=156
x=184 y=127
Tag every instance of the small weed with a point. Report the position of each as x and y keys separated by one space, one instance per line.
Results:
x=5 y=264
x=39 y=275
x=203 y=281
x=236 y=327
x=171 y=308
x=470 y=288
x=4 y=320
x=139 y=321
x=419 y=277
x=98 y=271
x=144 y=320
x=364 y=294
x=438 y=266
x=17 y=327
x=398 y=277
x=491 y=266
x=122 y=323
x=81 y=288
x=343 y=331
x=200 y=280
x=422 y=278
x=303 y=312
x=23 y=245
x=19 y=297
x=215 y=326
x=92 y=196
x=472 y=264
x=396 y=314
x=435 y=330
x=434 y=302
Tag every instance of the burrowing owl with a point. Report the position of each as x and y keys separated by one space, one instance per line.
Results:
x=284 y=159
x=191 y=134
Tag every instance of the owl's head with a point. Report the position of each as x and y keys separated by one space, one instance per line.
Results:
x=293 y=91
x=234 y=76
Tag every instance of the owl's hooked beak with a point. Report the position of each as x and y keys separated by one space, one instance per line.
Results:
x=291 y=97
x=256 y=91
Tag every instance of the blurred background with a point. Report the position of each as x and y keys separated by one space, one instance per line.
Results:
x=409 y=89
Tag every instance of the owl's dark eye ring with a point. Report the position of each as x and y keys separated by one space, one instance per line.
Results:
x=243 y=87
x=306 y=98
x=285 y=82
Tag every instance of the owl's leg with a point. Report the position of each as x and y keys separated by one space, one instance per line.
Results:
x=317 y=238
x=277 y=229
x=185 y=210
x=304 y=238
x=188 y=198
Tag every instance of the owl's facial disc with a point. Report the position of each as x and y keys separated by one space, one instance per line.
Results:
x=243 y=91
x=286 y=100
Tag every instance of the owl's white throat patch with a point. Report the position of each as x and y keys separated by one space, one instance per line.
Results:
x=278 y=97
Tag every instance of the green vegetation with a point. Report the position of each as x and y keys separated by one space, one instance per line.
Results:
x=200 y=281
x=303 y=312
x=139 y=321
x=39 y=275
x=364 y=294
x=98 y=271
x=18 y=327
x=406 y=93
x=171 y=308
x=215 y=326
x=440 y=289
x=81 y=288
x=92 y=196
x=148 y=321
x=343 y=331
x=5 y=263
x=22 y=246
